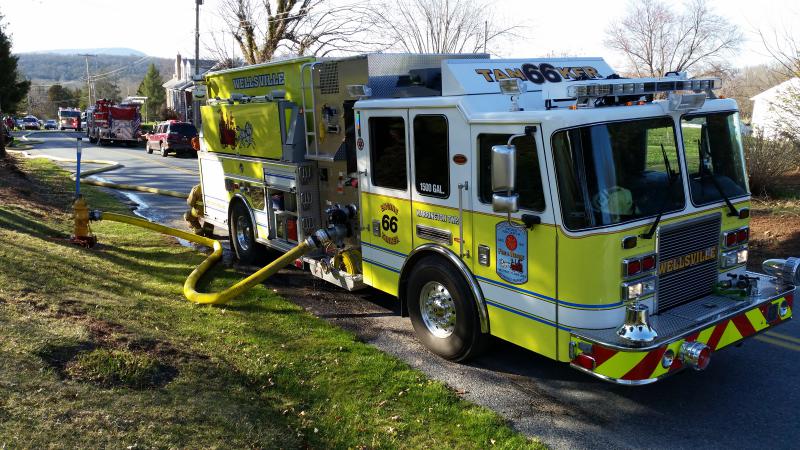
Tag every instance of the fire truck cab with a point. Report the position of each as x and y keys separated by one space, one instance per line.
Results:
x=593 y=219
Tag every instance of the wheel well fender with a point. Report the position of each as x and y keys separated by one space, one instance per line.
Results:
x=451 y=258
x=239 y=198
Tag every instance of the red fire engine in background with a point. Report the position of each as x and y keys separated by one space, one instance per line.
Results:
x=69 y=118
x=107 y=122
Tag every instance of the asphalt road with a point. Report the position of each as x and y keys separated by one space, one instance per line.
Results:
x=140 y=168
x=745 y=399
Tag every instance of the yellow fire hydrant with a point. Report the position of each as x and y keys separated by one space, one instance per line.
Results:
x=83 y=234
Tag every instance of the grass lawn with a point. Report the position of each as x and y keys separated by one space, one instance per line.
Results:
x=99 y=348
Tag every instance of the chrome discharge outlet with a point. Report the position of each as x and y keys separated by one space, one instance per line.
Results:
x=636 y=327
x=786 y=270
x=695 y=355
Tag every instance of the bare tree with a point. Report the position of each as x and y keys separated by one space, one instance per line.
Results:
x=783 y=44
x=655 y=39
x=440 y=26
x=265 y=29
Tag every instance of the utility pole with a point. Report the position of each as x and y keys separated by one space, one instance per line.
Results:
x=485 y=34
x=196 y=104
x=88 y=78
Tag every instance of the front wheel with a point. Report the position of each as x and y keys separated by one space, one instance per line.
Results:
x=149 y=149
x=163 y=150
x=242 y=235
x=443 y=311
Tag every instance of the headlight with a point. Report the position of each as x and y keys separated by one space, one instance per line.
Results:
x=639 y=288
x=734 y=258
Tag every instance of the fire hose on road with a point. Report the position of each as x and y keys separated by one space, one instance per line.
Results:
x=83 y=236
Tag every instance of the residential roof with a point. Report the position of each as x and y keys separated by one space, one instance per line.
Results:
x=769 y=94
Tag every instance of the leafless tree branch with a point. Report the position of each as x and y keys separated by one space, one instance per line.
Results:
x=266 y=29
x=655 y=39
x=440 y=26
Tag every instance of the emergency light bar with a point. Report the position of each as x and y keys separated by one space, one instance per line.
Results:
x=628 y=87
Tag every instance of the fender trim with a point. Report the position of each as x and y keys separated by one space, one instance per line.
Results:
x=422 y=250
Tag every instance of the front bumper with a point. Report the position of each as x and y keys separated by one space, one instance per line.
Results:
x=716 y=321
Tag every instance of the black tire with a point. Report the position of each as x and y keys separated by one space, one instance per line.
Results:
x=242 y=235
x=163 y=150
x=149 y=149
x=465 y=339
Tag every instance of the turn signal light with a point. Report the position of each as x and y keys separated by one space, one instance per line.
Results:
x=649 y=262
x=634 y=267
x=742 y=235
x=736 y=237
x=639 y=264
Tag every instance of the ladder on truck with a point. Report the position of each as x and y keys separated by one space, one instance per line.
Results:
x=312 y=140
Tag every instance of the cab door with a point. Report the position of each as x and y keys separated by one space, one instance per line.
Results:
x=382 y=138
x=440 y=173
x=515 y=262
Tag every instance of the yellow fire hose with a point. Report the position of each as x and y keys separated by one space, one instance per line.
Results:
x=189 y=286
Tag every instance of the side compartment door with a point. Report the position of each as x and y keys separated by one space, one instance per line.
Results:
x=383 y=163
x=514 y=264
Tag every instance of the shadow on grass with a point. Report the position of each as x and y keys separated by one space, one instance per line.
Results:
x=14 y=221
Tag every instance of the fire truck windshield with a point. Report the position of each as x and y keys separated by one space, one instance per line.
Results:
x=617 y=172
x=714 y=157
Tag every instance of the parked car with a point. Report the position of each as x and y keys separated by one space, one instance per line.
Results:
x=171 y=137
x=30 y=123
x=50 y=124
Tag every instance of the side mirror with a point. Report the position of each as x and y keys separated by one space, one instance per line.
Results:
x=504 y=171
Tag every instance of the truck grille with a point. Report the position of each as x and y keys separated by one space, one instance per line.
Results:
x=687 y=255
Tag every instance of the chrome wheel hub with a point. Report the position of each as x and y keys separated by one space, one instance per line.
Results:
x=243 y=233
x=438 y=309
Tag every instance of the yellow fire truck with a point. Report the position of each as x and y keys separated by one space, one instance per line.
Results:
x=594 y=219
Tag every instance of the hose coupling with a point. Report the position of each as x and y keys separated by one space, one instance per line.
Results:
x=333 y=234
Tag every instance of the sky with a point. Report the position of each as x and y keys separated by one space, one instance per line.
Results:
x=166 y=27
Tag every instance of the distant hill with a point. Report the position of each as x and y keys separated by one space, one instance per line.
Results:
x=115 y=51
x=71 y=69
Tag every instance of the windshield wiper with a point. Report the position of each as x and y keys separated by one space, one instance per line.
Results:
x=705 y=172
x=672 y=178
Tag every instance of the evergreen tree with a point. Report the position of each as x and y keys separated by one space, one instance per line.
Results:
x=12 y=88
x=151 y=87
x=108 y=89
x=60 y=97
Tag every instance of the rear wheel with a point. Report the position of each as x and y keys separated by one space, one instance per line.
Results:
x=242 y=235
x=443 y=311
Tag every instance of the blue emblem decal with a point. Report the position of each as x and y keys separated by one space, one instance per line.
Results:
x=512 y=252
